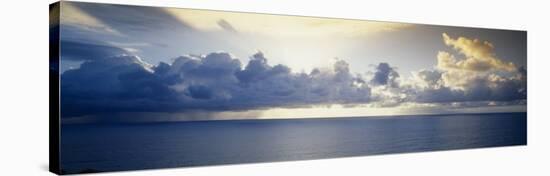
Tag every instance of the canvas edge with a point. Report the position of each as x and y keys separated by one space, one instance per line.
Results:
x=54 y=126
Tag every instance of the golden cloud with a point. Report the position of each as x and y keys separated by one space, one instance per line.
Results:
x=479 y=56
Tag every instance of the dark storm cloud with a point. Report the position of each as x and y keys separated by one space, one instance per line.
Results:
x=258 y=69
x=215 y=82
x=112 y=84
x=385 y=75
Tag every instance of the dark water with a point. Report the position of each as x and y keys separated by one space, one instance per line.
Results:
x=101 y=147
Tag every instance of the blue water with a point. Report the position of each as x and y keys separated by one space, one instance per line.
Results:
x=113 y=147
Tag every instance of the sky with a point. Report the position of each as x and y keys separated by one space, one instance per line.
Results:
x=134 y=63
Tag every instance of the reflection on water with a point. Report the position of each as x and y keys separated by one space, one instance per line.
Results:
x=102 y=147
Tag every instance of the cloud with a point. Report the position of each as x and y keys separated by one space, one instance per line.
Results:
x=385 y=75
x=429 y=78
x=481 y=76
x=113 y=81
x=491 y=88
x=257 y=69
x=479 y=56
x=117 y=20
x=214 y=82
x=74 y=16
x=111 y=85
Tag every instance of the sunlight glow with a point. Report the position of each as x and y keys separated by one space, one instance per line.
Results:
x=280 y=25
x=302 y=43
x=335 y=110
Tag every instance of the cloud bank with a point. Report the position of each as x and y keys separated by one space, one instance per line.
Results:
x=480 y=76
x=214 y=82
x=111 y=81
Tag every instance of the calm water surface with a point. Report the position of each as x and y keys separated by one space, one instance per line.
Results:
x=112 y=147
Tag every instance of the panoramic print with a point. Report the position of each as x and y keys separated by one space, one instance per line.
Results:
x=155 y=87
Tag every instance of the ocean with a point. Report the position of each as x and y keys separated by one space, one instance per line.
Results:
x=116 y=147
